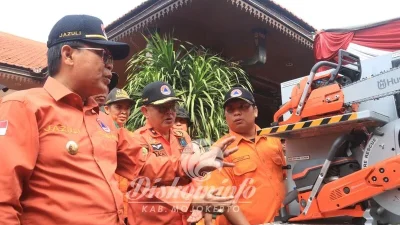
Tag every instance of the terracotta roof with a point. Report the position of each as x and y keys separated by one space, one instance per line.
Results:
x=269 y=3
x=22 y=52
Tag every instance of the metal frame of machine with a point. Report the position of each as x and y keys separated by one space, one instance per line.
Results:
x=344 y=158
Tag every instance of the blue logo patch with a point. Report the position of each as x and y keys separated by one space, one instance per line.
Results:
x=182 y=142
x=165 y=90
x=236 y=93
x=103 y=126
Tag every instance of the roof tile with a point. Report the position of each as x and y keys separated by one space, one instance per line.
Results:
x=22 y=52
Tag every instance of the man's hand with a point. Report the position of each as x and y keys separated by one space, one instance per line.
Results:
x=197 y=165
x=219 y=151
x=209 y=202
x=195 y=217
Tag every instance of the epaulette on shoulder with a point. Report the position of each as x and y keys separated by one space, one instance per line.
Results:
x=152 y=131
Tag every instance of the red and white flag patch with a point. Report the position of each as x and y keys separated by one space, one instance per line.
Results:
x=3 y=127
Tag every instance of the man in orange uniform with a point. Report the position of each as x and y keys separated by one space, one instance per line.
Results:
x=58 y=158
x=159 y=108
x=258 y=163
x=118 y=106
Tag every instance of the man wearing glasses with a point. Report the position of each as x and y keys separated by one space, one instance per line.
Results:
x=57 y=157
x=159 y=107
x=258 y=164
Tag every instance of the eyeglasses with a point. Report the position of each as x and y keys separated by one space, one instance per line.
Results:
x=166 y=107
x=105 y=54
x=242 y=107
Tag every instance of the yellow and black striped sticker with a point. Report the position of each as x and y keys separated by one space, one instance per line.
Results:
x=308 y=124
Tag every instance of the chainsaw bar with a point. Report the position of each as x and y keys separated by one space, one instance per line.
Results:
x=374 y=87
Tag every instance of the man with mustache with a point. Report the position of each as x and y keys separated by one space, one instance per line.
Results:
x=160 y=107
x=258 y=162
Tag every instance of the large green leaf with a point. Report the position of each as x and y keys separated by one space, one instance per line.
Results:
x=199 y=77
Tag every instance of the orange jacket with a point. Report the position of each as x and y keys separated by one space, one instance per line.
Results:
x=257 y=176
x=161 y=208
x=58 y=160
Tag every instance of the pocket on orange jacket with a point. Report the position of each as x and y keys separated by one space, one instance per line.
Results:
x=277 y=159
x=244 y=167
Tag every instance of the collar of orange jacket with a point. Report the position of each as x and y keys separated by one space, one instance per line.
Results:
x=60 y=92
x=240 y=137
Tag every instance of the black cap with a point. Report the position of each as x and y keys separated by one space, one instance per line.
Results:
x=182 y=113
x=88 y=29
x=114 y=81
x=239 y=93
x=157 y=93
x=117 y=95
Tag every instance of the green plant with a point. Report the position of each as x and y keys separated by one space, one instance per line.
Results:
x=199 y=77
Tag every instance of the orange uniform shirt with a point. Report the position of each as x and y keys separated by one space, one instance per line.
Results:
x=161 y=208
x=58 y=160
x=257 y=177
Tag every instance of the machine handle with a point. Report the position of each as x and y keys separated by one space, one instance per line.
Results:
x=337 y=144
x=285 y=108
x=290 y=197
x=343 y=56
x=310 y=80
x=283 y=213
